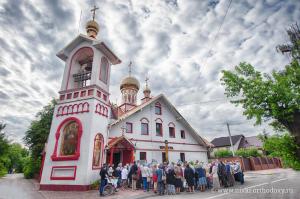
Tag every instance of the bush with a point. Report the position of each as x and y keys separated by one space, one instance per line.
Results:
x=31 y=167
x=252 y=152
x=223 y=153
x=283 y=146
x=3 y=170
x=94 y=185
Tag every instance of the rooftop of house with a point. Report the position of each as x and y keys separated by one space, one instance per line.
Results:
x=224 y=141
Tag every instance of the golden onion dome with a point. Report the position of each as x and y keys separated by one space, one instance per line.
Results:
x=130 y=82
x=92 y=28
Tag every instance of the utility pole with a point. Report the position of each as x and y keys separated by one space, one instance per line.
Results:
x=230 y=138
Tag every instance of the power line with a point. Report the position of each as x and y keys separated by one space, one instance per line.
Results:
x=221 y=25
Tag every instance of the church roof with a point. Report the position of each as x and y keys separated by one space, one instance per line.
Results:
x=178 y=116
x=100 y=45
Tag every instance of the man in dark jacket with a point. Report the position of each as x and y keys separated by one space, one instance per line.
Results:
x=103 y=178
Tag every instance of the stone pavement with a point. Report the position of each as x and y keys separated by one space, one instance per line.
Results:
x=16 y=187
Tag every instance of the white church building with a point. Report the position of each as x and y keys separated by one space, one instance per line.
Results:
x=87 y=130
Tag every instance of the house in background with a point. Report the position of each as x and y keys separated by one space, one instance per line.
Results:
x=238 y=141
x=223 y=143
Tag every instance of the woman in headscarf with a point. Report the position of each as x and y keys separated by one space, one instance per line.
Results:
x=178 y=178
x=189 y=177
x=214 y=173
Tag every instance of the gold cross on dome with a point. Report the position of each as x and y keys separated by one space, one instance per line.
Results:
x=94 y=11
x=129 y=68
x=146 y=80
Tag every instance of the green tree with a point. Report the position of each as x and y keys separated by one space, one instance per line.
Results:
x=37 y=134
x=36 y=137
x=282 y=146
x=16 y=154
x=4 y=147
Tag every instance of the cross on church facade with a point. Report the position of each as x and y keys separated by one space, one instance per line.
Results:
x=123 y=128
x=94 y=11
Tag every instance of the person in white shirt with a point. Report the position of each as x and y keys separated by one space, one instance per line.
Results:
x=124 y=176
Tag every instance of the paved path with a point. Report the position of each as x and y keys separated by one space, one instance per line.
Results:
x=14 y=186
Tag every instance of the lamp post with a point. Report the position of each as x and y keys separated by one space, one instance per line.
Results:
x=167 y=150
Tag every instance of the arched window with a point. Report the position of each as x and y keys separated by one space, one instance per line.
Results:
x=104 y=70
x=159 y=127
x=98 y=151
x=69 y=139
x=144 y=126
x=68 y=135
x=171 y=130
x=80 y=68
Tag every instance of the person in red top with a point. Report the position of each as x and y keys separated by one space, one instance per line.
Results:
x=154 y=178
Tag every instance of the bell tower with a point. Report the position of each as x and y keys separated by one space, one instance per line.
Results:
x=79 y=130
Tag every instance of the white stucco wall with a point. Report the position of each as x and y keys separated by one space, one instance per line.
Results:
x=151 y=143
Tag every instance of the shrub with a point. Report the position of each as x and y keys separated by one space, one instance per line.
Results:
x=94 y=185
x=3 y=170
x=31 y=167
x=252 y=152
x=223 y=153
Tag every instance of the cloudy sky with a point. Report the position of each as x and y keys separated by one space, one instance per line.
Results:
x=182 y=45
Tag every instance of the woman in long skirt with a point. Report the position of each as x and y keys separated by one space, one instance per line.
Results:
x=214 y=172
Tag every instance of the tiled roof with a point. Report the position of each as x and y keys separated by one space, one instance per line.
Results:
x=224 y=141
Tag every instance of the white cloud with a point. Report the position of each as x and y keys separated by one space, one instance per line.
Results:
x=168 y=40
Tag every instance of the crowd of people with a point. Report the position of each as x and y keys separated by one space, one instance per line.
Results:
x=171 y=178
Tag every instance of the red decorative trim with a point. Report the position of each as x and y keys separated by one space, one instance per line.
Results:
x=131 y=126
x=63 y=178
x=144 y=119
x=72 y=109
x=101 y=110
x=90 y=92
x=104 y=61
x=76 y=94
x=69 y=95
x=99 y=94
x=82 y=93
x=54 y=156
x=102 y=149
x=156 y=141
x=71 y=62
x=104 y=97
x=84 y=88
x=58 y=187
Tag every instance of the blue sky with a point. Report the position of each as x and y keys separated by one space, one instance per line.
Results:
x=178 y=44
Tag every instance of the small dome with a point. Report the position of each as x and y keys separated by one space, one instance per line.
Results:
x=92 y=28
x=130 y=81
x=92 y=24
x=146 y=89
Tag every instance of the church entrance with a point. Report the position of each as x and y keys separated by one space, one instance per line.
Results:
x=117 y=158
x=120 y=150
